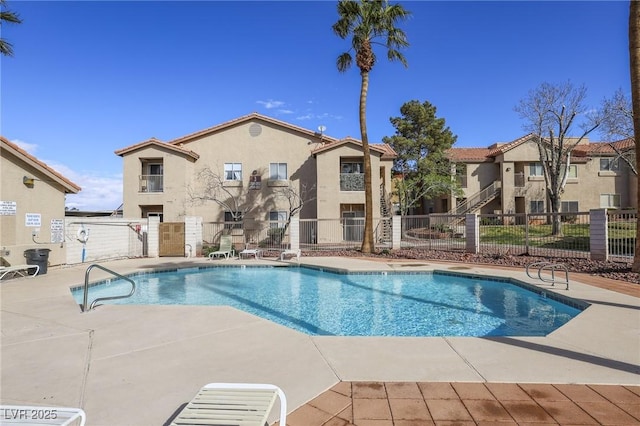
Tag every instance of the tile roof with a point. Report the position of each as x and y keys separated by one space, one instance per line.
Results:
x=385 y=149
x=246 y=118
x=488 y=154
x=156 y=142
x=70 y=187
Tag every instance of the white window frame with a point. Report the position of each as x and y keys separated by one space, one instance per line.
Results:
x=278 y=171
x=609 y=164
x=536 y=170
x=233 y=171
x=610 y=201
x=277 y=218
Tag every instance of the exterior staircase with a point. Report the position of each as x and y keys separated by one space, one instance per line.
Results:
x=476 y=201
x=385 y=232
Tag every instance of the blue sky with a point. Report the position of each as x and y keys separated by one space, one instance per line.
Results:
x=90 y=77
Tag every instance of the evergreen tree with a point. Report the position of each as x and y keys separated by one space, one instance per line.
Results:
x=421 y=141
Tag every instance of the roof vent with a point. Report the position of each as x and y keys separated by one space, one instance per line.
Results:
x=255 y=129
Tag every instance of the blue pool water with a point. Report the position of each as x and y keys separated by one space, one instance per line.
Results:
x=326 y=303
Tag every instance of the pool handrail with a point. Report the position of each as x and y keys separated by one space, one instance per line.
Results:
x=85 y=299
x=552 y=266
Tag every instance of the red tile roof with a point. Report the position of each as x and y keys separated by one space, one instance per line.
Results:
x=385 y=149
x=253 y=116
x=158 y=143
x=472 y=155
x=70 y=187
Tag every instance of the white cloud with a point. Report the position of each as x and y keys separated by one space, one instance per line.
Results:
x=270 y=104
x=31 y=148
x=99 y=192
x=285 y=111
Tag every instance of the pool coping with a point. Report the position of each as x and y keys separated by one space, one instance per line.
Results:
x=116 y=359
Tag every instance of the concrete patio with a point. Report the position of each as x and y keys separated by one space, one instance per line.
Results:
x=137 y=365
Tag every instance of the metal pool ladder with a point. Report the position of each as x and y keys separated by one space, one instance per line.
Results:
x=551 y=266
x=85 y=300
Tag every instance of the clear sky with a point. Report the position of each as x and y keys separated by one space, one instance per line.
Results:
x=91 y=77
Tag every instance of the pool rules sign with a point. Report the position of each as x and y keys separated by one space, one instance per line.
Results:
x=57 y=230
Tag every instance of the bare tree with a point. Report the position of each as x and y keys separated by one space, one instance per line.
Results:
x=617 y=124
x=209 y=186
x=295 y=200
x=551 y=112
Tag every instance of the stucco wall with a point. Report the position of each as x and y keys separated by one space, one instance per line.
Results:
x=44 y=201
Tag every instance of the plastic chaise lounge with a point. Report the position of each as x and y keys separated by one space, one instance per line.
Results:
x=225 y=249
x=233 y=404
x=20 y=270
x=289 y=252
x=255 y=252
x=36 y=415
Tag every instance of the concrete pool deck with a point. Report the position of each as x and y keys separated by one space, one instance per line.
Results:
x=137 y=365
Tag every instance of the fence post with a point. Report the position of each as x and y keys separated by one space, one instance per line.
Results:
x=396 y=232
x=472 y=231
x=294 y=233
x=599 y=234
x=192 y=236
x=153 y=236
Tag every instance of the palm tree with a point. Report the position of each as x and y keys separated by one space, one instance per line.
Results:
x=634 y=60
x=9 y=17
x=366 y=21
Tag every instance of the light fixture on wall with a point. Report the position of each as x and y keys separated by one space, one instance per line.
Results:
x=28 y=182
x=508 y=169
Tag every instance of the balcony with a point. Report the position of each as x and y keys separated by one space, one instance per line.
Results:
x=351 y=181
x=151 y=183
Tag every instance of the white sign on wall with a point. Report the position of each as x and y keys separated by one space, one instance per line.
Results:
x=57 y=230
x=33 y=219
x=8 y=208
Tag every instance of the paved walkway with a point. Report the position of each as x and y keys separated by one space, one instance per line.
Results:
x=136 y=365
x=444 y=403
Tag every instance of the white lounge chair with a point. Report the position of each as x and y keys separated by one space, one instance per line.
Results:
x=35 y=415
x=233 y=404
x=225 y=249
x=255 y=252
x=289 y=252
x=19 y=270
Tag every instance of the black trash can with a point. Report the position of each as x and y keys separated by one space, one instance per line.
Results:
x=38 y=257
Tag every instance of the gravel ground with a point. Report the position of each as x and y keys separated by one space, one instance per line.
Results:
x=613 y=270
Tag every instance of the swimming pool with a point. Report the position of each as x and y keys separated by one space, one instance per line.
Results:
x=319 y=302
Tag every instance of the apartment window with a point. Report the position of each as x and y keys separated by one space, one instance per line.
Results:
x=352 y=167
x=609 y=164
x=152 y=179
x=278 y=218
x=535 y=169
x=536 y=206
x=278 y=171
x=461 y=175
x=573 y=171
x=610 y=201
x=569 y=207
x=351 y=175
x=233 y=171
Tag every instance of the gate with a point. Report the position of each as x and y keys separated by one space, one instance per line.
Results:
x=171 y=239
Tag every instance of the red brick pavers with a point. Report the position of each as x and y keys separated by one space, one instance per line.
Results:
x=441 y=403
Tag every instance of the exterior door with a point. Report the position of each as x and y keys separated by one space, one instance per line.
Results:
x=353 y=229
x=172 y=239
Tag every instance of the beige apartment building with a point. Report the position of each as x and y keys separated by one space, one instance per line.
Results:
x=32 y=207
x=508 y=178
x=248 y=164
